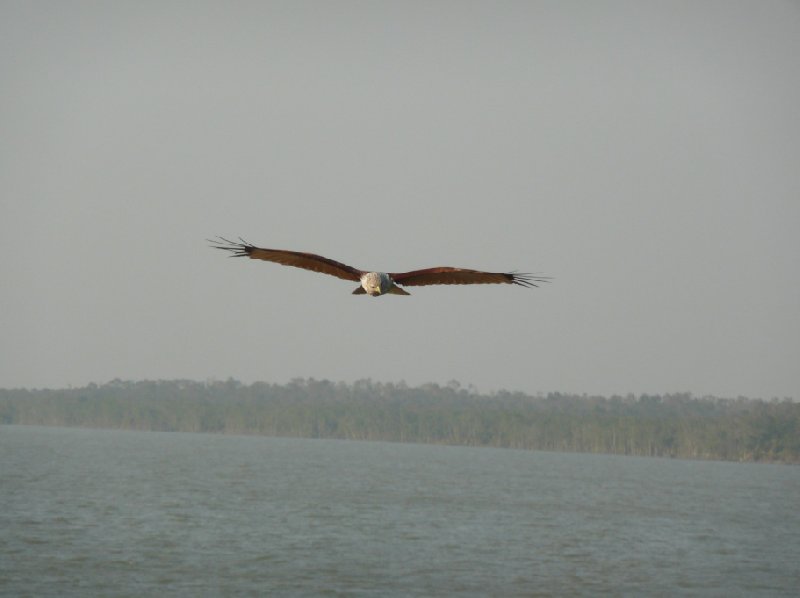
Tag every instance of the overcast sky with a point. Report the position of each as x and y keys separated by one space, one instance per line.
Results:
x=644 y=154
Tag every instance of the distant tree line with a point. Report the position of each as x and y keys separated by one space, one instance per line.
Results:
x=672 y=425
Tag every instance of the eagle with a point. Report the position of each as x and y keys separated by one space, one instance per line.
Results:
x=375 y=283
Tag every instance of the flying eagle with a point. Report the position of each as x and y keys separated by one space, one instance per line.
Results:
x=375 y=283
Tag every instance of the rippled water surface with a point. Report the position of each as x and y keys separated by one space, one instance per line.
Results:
x=111 y=513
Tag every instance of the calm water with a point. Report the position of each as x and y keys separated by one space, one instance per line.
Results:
x=109 y=513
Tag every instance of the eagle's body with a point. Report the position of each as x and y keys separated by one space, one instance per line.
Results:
x=376 y=283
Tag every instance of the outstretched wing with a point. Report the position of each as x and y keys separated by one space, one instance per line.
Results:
x=448 y=275
x=298 y=259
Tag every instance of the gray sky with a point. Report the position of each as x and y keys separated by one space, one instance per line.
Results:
x=645 y=154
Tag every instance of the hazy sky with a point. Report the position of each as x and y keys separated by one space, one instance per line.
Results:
x=645 y=154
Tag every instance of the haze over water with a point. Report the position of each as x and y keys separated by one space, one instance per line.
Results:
x=644 y=154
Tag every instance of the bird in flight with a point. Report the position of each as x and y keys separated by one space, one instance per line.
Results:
x=375 y=283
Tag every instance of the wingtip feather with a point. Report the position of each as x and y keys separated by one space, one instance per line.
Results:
x=528 y=280
x=236 y=249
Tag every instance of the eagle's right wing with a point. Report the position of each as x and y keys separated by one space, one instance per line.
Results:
x=298 y=259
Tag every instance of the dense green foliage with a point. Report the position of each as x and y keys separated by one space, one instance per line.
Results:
x=675 y=425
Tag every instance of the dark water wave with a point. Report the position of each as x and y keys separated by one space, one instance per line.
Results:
x=112 y=513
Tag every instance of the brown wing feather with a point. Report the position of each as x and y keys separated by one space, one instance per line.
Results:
x=298 y=259
x=448 y=275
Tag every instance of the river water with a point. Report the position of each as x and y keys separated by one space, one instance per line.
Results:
x=120 y=513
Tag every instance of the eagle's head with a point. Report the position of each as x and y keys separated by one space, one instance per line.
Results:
x=376 y=283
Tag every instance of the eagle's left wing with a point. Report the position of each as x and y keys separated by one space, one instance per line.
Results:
x=448 y=275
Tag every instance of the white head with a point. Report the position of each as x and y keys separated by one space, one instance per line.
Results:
x=376 y=283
